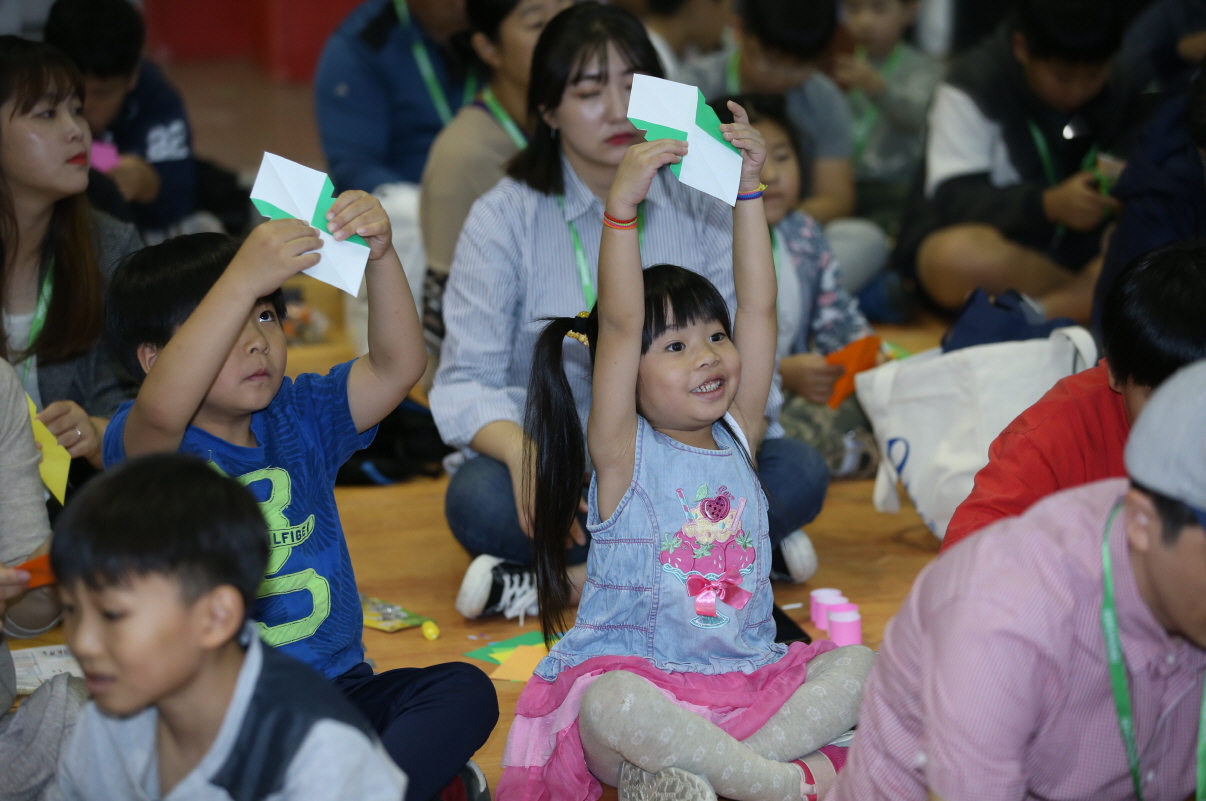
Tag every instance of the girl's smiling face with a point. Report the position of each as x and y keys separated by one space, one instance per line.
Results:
x=592 y=119
x=780 y=171
x=688 y=378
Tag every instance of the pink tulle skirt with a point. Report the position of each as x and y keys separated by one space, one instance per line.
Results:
x=543 y=760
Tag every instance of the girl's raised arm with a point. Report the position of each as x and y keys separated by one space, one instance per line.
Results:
x=755 y=328
x=611 y=430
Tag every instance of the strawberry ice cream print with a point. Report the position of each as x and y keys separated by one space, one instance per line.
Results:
x=711 y=553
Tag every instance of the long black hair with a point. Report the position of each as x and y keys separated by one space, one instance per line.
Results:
x=674 y=296
x=566 y=48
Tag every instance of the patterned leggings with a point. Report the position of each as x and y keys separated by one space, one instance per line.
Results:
x=626 y=719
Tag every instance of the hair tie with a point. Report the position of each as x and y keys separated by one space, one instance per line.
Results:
x=577 y=330
x=620 y=225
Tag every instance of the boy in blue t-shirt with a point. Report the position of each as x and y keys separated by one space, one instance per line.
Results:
x=200 y=317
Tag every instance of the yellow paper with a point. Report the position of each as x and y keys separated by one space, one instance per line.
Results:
x=55 y=459
x=520 y=664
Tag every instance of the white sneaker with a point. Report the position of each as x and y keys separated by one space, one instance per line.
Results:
x=494 y=586
x=799 y=555
x=668 y=784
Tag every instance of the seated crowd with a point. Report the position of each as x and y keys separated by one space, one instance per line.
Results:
x=639 y=496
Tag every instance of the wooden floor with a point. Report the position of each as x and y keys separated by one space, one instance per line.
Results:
x=400 y=544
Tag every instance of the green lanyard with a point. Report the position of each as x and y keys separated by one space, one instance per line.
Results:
x=503 y=118
x=732 y=76
x=1118 y=680
x=427 y=69
x=866 y=122
x=39 y=319
x=1089 y=162
x=588 y=284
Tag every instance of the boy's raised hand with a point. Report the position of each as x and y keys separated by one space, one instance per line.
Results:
x=357 y=212
x=745 y=137
x=273 y=252
x=635 y=174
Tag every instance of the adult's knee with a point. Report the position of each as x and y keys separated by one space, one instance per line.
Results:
x=479 y=505
x=796 y=479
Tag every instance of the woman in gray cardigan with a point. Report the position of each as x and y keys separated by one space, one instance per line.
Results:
x=57 y=253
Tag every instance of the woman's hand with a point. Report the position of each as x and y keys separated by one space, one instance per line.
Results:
x=810 y=376
x=73 y=429
x=13 y=582
x=357 y=212
x=635 y=174
x=745 y=137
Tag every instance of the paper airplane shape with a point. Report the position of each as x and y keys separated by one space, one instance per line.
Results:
x=669 y=110
x=56 y=461
x=285 y=189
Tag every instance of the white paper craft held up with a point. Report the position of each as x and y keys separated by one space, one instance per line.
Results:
x=285 y=188
x=669 y=110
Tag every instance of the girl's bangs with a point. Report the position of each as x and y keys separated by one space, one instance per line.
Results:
x=640 y=58
x=676 y=297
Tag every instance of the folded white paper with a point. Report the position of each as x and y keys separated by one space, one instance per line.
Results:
x=284 y=189
x=669 y=110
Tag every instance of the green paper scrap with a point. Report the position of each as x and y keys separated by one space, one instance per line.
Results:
x=653 y=132
x=709 y=123
x=326 y=200
x=497 y=652
x=895 y=351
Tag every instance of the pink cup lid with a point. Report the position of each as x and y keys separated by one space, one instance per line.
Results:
x=825 y=592
x=844 y=617
x=831 y=609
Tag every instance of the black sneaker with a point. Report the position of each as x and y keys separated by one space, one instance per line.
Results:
x=794 y=559
x=494 y=586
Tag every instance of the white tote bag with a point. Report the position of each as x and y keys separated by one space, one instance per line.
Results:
x=935 y=413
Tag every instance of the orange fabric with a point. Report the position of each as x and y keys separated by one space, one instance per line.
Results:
x=861 y=354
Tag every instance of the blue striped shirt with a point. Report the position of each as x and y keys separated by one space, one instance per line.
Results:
x=514 y=264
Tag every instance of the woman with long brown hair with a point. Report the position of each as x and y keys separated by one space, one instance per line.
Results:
x=56 y=252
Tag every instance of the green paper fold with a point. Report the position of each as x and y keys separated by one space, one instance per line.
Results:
x=326 y=199
x=709 y=123
x=653 y=132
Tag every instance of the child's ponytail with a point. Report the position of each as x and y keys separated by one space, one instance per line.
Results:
x=558 y=455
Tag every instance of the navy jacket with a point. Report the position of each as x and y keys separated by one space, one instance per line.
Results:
x=1163 y=191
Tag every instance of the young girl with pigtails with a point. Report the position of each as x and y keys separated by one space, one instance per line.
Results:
x=670 y=685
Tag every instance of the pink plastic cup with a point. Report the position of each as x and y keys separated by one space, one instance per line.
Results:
x=823 y=607
x=830 y=608
x=846 y=628
x=814 y=598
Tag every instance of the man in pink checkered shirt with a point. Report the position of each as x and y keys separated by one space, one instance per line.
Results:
x=994 y=683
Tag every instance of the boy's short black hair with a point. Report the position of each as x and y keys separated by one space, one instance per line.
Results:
x=163 y=514
x=801 y=28
x=103 y=37
x=1153 y=321
x=1073 y=31
x=154 y=290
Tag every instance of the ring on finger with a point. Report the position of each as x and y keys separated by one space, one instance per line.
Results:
x=79 y=435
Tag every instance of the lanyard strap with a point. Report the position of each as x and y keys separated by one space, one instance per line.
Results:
x=588 y=284
x=866 y=121
x=1118 y=679
x=39 y=319
x=427 y=69
x=1089 y=162
x=732 y=75
x=503 y=118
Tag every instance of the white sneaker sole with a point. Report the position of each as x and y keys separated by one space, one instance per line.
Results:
x=471 y=598
x=800 y=556
x=669 y=784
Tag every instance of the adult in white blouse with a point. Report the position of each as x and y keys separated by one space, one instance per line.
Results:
x=529 y=250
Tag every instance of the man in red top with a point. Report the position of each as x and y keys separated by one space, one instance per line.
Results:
x=1153 y=322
